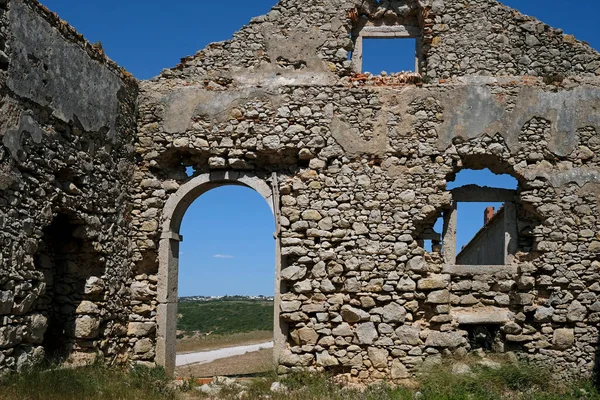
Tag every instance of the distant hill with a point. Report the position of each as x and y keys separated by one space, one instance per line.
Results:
x=231 y=314
x=226 y=298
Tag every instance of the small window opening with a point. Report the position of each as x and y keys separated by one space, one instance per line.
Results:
x=189 y=171
x=389 y=55
x=484 y=337
x=432 y=238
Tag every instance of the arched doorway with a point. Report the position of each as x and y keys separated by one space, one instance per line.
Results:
x=168 y=268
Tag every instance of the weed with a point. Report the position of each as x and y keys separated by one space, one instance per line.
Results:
x=506 y=382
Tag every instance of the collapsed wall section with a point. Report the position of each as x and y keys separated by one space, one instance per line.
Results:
x=67 y=127
x=485 y=37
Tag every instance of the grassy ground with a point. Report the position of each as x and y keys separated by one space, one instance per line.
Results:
x=89 y=383
x=509 y=382
x=249 y=363
x=199 y=342
x=224 y=317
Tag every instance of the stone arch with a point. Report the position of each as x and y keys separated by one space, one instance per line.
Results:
x=168 y=255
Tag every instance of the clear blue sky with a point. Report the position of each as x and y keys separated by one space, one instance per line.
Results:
x=228 y=245
x=233 y=223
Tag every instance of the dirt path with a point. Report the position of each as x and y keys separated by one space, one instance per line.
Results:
x=209 y=356
x=256 y=362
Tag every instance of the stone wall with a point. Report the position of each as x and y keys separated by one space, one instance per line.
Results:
x=484 y=37
x=361 y=165
x=67 y=128
x=356 y=166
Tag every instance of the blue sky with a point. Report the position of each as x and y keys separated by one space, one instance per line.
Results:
x=145 y=36
x=228 y=243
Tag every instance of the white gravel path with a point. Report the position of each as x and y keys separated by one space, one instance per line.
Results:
x=204 y=357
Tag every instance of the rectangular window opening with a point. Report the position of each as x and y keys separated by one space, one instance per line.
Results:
x=481 y=234
x=390 y=55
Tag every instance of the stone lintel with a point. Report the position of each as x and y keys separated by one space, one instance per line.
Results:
x=477 y=194
x=462 y=270
x=481 y=315
x=390 y=31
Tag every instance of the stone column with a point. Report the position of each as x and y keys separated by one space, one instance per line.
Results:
x=449 y=235
x=168 y=272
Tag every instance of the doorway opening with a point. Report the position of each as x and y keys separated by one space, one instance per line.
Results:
x=226 y=291
x=72 y=302
x=219 y=278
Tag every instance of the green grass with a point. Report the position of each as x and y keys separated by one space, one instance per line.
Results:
x=93 y=383
x=222 y=317
x=509 y=382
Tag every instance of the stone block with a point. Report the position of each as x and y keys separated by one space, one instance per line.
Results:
x=378 y=357
x=293 y=273
x=86 y=327
x=481 y=315
x=143 y=346
x=406 y=285
x=7 y=299
x=305 y=336
x=576 y=312
x=563 y=339
x=408 y=335
x=393 y=312
x=352 y=285
x=141 y=291
x=543 y=314
x=342 y=330
x=438 y=297
x=141 y=329
x=366 y=333
x=10 y=336
x=37 y=328
x=434 y=282
x=325 y=359
x=290 y=306
x=444 y=339
x=398 y=370
x=352 y=314
x=87 y=307
x=417 y=264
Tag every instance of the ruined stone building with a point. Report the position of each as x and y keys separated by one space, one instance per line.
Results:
x=93 y=185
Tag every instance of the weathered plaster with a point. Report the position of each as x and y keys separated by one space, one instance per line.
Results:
x=55 y=73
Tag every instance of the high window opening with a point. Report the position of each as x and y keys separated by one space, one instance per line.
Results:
x=482 y=227
x=226 y=284
x=389 y=55
x=389 y=48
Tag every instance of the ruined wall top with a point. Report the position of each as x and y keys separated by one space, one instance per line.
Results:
x=309 y=41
